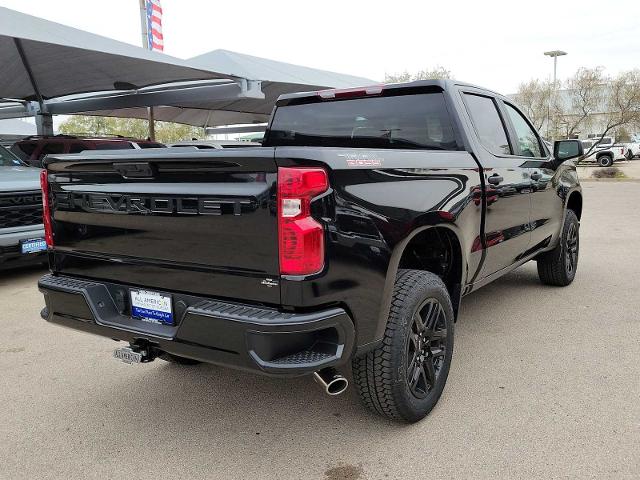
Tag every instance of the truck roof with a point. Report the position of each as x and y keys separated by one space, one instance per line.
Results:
x=439 y=84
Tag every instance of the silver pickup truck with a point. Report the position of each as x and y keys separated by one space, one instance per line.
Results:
x=21 y=230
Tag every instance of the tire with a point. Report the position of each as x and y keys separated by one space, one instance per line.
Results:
x=605 y=161
x=178 y=360
x=629 y=155
x=558 y=267
x=404 y=377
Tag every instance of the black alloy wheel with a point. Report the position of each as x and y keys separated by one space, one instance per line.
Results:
x=571 y=249
x=426 y=347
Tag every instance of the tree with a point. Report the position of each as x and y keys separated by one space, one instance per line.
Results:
x=621 y=99
x=622 y=135
x=534 y=97
x=586 y=90
x=437 y=72
x=166 y=132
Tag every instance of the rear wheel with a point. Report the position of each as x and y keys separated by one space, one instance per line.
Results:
x=404 y=377
x=558 y=267
x=605 y=161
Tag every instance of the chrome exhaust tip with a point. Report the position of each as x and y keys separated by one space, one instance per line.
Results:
x=331 y=381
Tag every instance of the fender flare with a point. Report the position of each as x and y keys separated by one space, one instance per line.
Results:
x=392 y=271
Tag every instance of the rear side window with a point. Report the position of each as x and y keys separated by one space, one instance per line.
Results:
x=487 y=122
x=150 y=145
x=419 y=121
x=114 y=146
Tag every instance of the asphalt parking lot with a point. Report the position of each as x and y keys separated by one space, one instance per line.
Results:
x=545 y=383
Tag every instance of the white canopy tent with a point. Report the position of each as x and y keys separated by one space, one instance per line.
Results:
x=205 y=104
x=45 y=58
x=44 y=61
x=55 y=69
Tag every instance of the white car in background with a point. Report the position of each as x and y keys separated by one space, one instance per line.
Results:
x=605 y=152
x=214 y=144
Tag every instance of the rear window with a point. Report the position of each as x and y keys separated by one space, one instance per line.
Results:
x=403 y=121
x=114 y=146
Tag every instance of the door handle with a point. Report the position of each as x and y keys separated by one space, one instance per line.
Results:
x=495 y=179
x=536 y=176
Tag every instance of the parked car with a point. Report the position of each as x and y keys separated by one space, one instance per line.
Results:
x=350 y=237
x=32 y=149
x=605 y=152
x=21 y=230
x=214 y=144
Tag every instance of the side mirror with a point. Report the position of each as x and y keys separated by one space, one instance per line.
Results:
x=566 y=149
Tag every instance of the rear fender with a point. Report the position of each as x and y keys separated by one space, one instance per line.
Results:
x=392 y=272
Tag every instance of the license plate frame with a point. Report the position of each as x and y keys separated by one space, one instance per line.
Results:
x=30 y=246
x=151 y=306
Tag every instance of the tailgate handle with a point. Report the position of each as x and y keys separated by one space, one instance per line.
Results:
x=134 y=170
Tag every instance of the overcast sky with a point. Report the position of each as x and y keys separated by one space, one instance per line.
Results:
x=497 y=47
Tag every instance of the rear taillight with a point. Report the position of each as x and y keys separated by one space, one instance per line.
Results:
x=301 y=237
x=46 y=208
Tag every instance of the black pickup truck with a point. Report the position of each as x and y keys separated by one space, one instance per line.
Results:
x=349 y=237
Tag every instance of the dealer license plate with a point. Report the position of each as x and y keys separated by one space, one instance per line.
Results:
x=33 y=245
x=151 y=306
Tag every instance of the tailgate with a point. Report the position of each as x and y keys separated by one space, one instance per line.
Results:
x=199 y=221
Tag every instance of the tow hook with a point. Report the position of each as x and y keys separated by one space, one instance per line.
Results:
x=135 y=354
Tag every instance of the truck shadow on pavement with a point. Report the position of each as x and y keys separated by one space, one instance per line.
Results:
x=215 y=400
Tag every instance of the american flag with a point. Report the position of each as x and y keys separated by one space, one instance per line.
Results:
x=154 y=25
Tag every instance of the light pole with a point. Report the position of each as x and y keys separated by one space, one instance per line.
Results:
x=554 y=54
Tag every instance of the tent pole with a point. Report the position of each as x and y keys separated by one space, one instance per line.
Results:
x=44 y=120
x=146 y=44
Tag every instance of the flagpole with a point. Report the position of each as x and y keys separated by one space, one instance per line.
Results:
x=146 y=44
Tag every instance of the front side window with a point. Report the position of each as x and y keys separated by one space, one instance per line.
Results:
x=412 y=121
x=528 y=142
x=488 y=125
x=8 y=159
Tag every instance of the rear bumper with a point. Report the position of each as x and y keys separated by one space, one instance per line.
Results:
x=232 y=334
